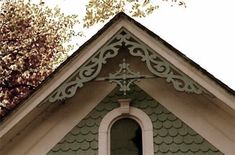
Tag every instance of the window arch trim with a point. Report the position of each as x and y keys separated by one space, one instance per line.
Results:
x=125 y=112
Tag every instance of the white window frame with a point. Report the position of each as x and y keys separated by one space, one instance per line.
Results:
x=125 y=111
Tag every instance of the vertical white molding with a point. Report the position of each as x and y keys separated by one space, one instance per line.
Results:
x=124 y=106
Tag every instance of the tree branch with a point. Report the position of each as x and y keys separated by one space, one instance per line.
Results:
x=17 y=85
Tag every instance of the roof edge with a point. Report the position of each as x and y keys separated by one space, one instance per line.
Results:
x=117 y=17
x=193 y=63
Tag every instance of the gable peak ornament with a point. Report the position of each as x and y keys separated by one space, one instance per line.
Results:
x=157 y=65
x=124 y=77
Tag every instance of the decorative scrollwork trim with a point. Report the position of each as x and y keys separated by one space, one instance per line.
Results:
x=87 y=72
x=160 y=67
x=154 y=62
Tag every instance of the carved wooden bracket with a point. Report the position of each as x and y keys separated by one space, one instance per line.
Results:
x=157 y=65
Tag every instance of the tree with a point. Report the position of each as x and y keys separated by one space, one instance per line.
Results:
x=35 y=39
x=101 y=10
x=32 y=44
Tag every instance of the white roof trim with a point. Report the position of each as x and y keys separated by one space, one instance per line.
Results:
x=87 y=52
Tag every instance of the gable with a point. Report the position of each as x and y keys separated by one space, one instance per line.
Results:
x=167 y=76
x=171 y=135
x=125 y=42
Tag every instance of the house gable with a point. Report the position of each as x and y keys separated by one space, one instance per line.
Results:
x=171 y=135
x=202 y=104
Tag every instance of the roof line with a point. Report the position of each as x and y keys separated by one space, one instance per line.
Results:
x=101 y=31
x=193 y=63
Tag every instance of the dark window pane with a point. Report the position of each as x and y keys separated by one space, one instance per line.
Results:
x=126 y=138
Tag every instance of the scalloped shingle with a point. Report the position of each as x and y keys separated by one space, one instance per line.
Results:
x=171 y=135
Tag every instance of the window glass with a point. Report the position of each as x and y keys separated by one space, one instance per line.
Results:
x=126 y=138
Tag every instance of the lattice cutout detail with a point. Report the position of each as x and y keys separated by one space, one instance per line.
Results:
x=154 y=62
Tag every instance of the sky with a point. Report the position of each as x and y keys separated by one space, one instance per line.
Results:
x=204 y=31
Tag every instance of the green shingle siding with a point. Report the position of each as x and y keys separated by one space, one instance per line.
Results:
x=171 y=135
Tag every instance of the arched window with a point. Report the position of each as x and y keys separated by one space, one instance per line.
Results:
x=137 y=121
x=126 y=137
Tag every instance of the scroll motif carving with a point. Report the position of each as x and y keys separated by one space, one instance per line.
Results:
x=87 y=72
x=156 y=65
x=124 y=77
x=161 y=68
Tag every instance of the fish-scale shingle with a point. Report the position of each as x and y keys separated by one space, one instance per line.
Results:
x=171 y=135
